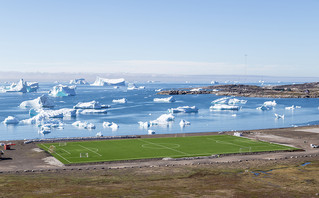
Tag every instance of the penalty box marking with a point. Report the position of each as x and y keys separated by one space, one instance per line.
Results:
x=90 y=150
x=57 y=154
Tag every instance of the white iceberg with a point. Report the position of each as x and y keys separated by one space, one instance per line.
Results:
x=223 y=100
x=268 y=105
x=213 y=82
x=40 y=115
x=108 y=82
x=45 y=129
x=183 y=123
x=111 y=125
x=99 y=134
x=229 y=100
x=123 y=100
x=221 y=107
x=151 y=132
x=40 y=102
x=234 y=101
x=169 y=99
x=144 y=125
x=79 y=81
x=279 y=116
x=158 y=90
x=11 y=120
x=184 y=109
x=91 y=111
x=164 y=119
x=292 y=107
x=22 y=86
x=89 y=105
x=84 y=125
x=196 y=89
x=62 y=90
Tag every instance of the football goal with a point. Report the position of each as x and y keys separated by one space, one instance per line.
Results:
x=84 y=155
x=62 y=143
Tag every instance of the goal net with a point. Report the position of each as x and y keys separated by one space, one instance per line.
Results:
x=84 y=155
x=52 y=149
x=245 y=150
x=62 y=143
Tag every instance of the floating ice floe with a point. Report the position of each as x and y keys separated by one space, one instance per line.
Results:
x=109 y=82
x=40 y=102
x=123 y=100
x=292 y=107
x=40 y=115
x=84 y=125
x=213 y=82
x=144 y=125
x=268 y=105
x=90 y=105
x=169 y=99
x=183 y=123
x=234 y=101
x=220 y=107
x=45 y=129
x=158 y=90
x=79 y=81
x=164 y=119
x=229 y=100
x=223 y=100
x=91 y=111
x=111 y=125
x=279 y=116
x=21 y=86
x=99 y=134
x=184 y=109
x=11 y=120
x=151 y=132
x=62 y=90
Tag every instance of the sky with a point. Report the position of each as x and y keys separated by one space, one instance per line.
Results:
x=187 y=37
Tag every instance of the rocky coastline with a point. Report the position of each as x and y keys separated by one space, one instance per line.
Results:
x=306 y=90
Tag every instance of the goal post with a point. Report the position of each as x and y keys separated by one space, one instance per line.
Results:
x=62 y=144
x=84 y=155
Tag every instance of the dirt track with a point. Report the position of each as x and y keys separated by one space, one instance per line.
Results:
x=27 y=158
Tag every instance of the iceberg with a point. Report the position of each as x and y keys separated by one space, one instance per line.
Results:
x=91 y=111
x=62 y=90
x=89 y=105
x=279 y=116
x=234 y=101
x=213 y=82
x=144 y=125
x=229 y=100
x=99 y=134
x=40 y=102
x=84 y=125
x=22 y=86
x=164 y=119
x=223 y=100
x=108 y=82
x=158 y=90
x=184 y=109
x=268 y=105
x=169 y=99
x=196 y=89
x=45 y=129
x=183 y=123
x=123 y=100
x=151 y=132
x=79 y=81
x=40 y=115
x=11 y=120
x=111 y=125
x=220 y=107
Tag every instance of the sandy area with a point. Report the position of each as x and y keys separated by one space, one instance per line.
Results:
x=27 y=157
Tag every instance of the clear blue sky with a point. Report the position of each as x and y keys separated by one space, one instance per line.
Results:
x=280 y=37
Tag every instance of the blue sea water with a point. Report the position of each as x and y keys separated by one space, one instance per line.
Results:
x=140 y=107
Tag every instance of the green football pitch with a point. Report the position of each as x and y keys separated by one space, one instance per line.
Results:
x=145 y=148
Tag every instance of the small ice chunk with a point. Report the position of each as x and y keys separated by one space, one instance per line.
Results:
x=99 y=134
x=40 y=102
x=91 y=111
x=11 y=120
x=123 y=100
x=290 y=108
x=151 y=132
x=184 y=109
x=144 y=125
x=163 y=120
x=183 y=123
x=111 y=125
x=88 y=105
x=268 y=105
x=196 y=89
x=84 y=125
x=158 y=90
x=45 y=129
x=279 y=116
x=169 y=99
x=62 y=90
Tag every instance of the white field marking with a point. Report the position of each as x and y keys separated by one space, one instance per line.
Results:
x=90 y=150
x=168 y=144
x=164 y=147
x=66 y=151
x=58 y=154
x=218 y=141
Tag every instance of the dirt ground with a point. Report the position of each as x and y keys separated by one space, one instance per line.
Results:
x=28 y=158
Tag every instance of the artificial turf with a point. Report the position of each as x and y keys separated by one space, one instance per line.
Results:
x=145 y=148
